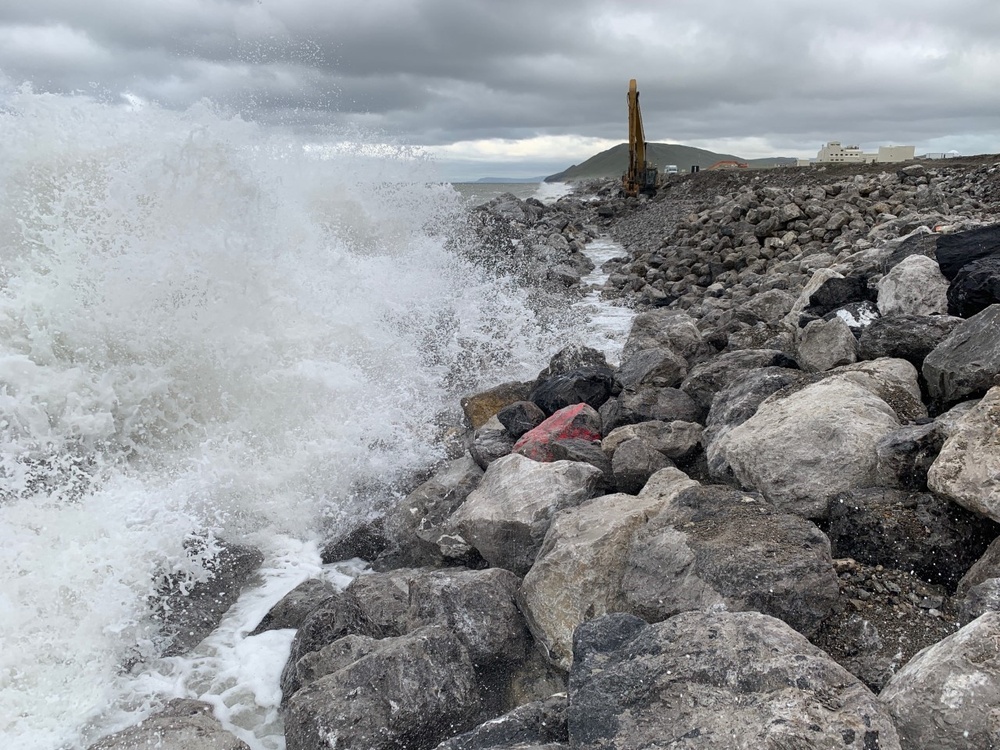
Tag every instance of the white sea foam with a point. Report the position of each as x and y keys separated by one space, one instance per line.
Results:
x=206 y=330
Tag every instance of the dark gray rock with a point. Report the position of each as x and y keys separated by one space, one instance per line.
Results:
x=707 y=379
x=366 y=541
x=585 y=451
x=520 y=417
x=490 y=442
x=296 y=605
x=189 y=612
x=415 y=524
x=633 y=463
x=905 y=455
x=658 y=367
x=986 y=567
x=955 y=250
x=183 y=724
x=912 y=531
x=965 y=364
x=574 y=357
x=978 y=600
x=716 y=547
x=909 y=337
x=534 y=725
x=335 y=617
x=837 y=292
x=975 y=287
x=715 y=681
x=478 y=606
x=591 y=386
x=919 y=242
x=646 y=404
x=410 y=691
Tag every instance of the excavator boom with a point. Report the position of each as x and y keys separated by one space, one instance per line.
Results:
x=641 y=176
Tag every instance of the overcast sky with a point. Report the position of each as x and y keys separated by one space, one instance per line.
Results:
x=528 y=87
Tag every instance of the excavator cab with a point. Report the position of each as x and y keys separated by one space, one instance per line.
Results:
x=641 y=175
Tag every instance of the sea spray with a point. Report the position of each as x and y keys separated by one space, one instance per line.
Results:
x=205 y=330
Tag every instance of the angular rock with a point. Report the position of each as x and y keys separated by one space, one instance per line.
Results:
x=968 y=468
x=578 y=572
x=809 y=446
x=411 y=691
x=183 y=724
x=672 y=329
x=955 y=250
x=478 y=606
x=921 y=241
x=540 y=724
x=658 y=367
x=836 y=292
x=675 y=440
x=986 y=567
x=591 y=386
x=709 y=378
x=823 y=345
x=481 y=407
x=978 y=600
x=712 y=547
x=647 y=404
x=574 y=357
x=490 y=442
x=892 y=380
x=909 y=337
x=966 y=363
x=976 y=287
x=911 y=531
x=189 y=612
x=366 y=541
x=946 y=697
x=914 y=287
x=576 y=422
x=587 y=452
x=416 y=524
x=904 y=456
x=520 y=417
x=296 y=605
x=716 y=681
x=507 y=516
x=633 y=463
x=770 y=306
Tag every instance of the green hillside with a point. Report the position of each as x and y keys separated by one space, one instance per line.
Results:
x=612 y=163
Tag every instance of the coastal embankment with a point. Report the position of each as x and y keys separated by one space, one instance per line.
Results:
x=771 y=523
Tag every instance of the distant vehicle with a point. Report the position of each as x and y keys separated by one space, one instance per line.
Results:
x=671 y=169
x=641 y=176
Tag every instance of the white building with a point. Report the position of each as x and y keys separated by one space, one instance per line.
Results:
x=836 y=152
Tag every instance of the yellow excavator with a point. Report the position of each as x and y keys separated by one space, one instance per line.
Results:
x=641 y=176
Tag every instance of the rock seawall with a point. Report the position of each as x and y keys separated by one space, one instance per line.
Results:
x=773 y=524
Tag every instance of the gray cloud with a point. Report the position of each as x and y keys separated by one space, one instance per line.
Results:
x=434 y=72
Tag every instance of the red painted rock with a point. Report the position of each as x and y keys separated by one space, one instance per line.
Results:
x=576 y=422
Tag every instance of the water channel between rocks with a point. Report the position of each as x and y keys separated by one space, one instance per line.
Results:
x=239 y=675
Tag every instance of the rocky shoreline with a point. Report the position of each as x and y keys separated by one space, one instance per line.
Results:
x=772 y=525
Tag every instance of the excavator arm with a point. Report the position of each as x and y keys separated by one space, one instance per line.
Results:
x=641 y=176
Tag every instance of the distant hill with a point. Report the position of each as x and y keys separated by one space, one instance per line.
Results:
x=510 y=180
x=612 y=163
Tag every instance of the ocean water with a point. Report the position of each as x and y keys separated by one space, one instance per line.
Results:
x=209 y=331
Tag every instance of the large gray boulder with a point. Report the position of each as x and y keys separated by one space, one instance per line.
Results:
x=707 y=379
x=915 y=286
x=633 y=463
x=909 y=337
x=716 y=548
x=506 y=517
x=674 y=440
x=409 y=691
x=182 y=724
x=415 y=525
x=649 y=403
x=539 y=725
x=579 y=569
x=673 y=329
x=968 y=468
x=966 y=363
x=660 y=367
x=947 y=697
x=825 y=344
x=801 y=449
x=190 y=611
x=715 y=681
